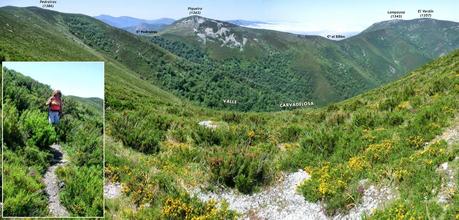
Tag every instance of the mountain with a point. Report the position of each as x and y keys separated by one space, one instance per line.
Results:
x=332 y=70
x=385 y=138
x=126 y=21
x=132 y=24
x=222 y=65
x=144 y=28
x=136 y=25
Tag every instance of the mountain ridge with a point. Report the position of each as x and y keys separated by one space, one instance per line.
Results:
x=279 y=68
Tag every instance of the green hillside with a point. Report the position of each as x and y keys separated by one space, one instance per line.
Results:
x=378 y=136
x=159 y=152
x=27 y=153
x=306 y=67
x=96 y=103
x=270 y=69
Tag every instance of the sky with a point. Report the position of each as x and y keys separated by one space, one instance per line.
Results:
x=83 y=79
x=297 y=16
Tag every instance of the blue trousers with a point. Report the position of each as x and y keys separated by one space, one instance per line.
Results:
x=53 y=117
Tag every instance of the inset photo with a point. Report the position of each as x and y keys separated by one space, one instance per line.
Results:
x=53 y=139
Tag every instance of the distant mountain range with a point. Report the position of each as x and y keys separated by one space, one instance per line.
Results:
x=126 y=21
x=134 y=25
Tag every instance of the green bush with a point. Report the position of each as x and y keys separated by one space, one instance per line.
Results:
x=82 y=193
x=322 y=141
x=85 y=145
x=291 y=133
x=36 y=128
x=22 y=189
x=232 y=117
x=139 y=131
x=365 y=118
x=34 y=157
x=242 y=169
x=394 y=118
x=204 y=136
x=12 y=135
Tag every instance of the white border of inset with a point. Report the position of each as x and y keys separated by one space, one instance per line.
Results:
x=103 y=143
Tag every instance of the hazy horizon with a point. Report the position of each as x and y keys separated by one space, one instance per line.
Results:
x=294 y=16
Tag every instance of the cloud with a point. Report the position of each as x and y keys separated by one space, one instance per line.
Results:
x=309 y=28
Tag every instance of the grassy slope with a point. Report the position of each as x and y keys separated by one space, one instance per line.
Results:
x=93 y=102
x=376 y=136
x=183 y=161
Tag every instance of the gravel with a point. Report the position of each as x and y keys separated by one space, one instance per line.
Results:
x=448 y=184
x=279 y=201
x=373 y=198
x=282 y=201
x=53 y=185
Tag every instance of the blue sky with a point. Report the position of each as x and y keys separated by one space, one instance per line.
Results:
x=84 y=79
x=298 y=16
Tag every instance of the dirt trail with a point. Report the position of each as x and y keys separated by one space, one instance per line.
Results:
x=52 y=183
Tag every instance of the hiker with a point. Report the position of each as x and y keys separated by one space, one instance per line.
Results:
x=54 y=104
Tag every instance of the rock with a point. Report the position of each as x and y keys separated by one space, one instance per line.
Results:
x=112 y=190
x=208 y=124
x=281 y=201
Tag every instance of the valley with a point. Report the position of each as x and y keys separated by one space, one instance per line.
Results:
x=173 y=142
x=286 y=67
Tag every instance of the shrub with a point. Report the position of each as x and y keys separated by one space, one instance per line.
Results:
x=23 y=192
x=337 y=118
x=140 y=132
x=82 y=193
x=388 y=104
x=379 y=152
x=322 y=141
x=365 y=118
x=85 y=144
x=394 y=118
x=329 y=183
x=232 y=117
x=290 y=133
x=144 y=188
x=34 y=157
x=37 y=130
x=204 y=136
x=241 y=169
x=186 y=207
x=12 y=135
